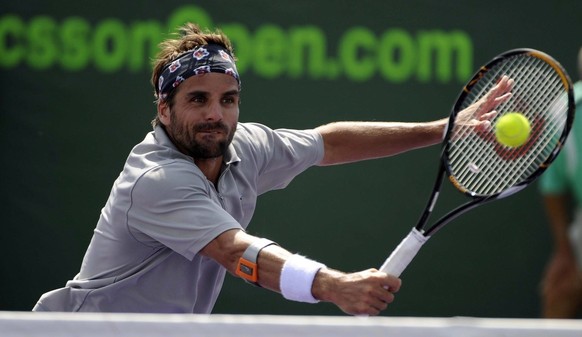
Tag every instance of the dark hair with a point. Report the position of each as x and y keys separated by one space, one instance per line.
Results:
x=188 y=37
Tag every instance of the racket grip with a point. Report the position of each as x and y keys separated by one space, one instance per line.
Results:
x=404 y=253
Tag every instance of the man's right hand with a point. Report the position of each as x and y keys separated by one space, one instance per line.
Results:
x=366 y=292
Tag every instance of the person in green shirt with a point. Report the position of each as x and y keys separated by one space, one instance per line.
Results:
x=561 y=188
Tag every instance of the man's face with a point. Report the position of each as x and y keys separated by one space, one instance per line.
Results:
x=203 y=119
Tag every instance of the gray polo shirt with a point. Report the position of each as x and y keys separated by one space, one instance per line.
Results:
x=162 y=211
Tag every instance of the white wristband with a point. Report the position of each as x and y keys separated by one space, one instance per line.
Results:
x=297 y=278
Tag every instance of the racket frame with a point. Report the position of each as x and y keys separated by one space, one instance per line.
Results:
x=445 y=167
x=411 y=244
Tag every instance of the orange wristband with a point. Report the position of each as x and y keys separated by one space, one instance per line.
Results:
x=247 y=267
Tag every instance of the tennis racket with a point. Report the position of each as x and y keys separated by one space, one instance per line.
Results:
x=475 y=162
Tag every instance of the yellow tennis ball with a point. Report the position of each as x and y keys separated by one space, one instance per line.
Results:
x=512 y=129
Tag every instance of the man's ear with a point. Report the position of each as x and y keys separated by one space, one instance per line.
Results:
x=164 y=112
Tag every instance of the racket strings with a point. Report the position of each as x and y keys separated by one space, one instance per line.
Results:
x=480 y=164
x=499 y=178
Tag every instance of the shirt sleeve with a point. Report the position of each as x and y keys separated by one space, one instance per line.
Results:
x=173 y=206
x=554 y=180
x=281 y=154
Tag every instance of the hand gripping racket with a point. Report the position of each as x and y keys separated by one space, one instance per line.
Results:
x=475 y=162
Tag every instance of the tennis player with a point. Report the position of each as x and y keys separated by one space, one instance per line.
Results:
x=176 y=218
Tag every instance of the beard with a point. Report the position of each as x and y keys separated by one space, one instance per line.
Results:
x=195 y=143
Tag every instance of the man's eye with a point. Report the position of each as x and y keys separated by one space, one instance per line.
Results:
x=197 y=99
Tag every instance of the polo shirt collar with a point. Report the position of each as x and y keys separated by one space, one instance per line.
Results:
x=231 y=157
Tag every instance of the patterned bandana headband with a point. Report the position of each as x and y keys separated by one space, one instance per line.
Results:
x=209 y=58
